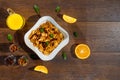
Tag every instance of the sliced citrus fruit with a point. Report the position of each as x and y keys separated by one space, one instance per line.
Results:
x=41 y=68
x=82 y=51
x=69 y=19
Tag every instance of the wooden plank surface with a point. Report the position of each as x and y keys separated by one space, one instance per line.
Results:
x=97 y=25
x=101 y=36
x=84 y=10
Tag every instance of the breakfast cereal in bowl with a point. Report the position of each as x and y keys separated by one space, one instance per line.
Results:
x=46 y=38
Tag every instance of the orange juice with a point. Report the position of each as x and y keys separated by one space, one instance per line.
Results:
x=15 y=21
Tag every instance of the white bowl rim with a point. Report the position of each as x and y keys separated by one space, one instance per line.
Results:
x=57 y=49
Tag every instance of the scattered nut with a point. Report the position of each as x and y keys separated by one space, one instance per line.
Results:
x=13 y=48
x=23 y=61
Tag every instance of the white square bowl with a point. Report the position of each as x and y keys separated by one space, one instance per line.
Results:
x=62 y=44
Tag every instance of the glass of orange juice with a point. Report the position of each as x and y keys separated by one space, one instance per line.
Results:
x=14 y=21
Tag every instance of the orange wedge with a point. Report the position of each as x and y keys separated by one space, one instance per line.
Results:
x=41 y=68
x=82 y=51
x=69 y=19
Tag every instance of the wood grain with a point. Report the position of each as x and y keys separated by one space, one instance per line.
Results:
x=97 y=25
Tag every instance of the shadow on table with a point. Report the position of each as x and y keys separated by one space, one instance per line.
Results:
x=80 y=39
x=19 y=36
x=2 y=60
x=32 y=68
x=3 y=17
x=4 y=47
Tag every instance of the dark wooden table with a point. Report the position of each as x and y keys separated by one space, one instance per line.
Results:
x=97 y=25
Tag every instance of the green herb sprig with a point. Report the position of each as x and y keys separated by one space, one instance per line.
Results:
x=64 y=55
x=75 y=34
x=57 y=9
x=51 y=35
x=10 y=37
x=47 y=43
x=41 y=30
x=37 y=9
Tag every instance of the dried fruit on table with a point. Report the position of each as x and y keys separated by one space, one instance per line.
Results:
x=10 y=60
x=23 y=61
x=13 y=47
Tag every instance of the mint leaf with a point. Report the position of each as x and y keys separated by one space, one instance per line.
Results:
x=64 y=55
x=9 y=37
x=41 y=30
x=51 y=35
x=57 y=9
x=47 y=43
x=75 y=34
x=37 y=9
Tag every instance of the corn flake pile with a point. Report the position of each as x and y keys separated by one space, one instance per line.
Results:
x=46 y=37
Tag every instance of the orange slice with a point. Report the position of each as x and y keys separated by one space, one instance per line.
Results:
x=82 y=51
x=41 y=68
x=69 y=19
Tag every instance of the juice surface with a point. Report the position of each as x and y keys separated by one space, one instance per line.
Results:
x=15 y=21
